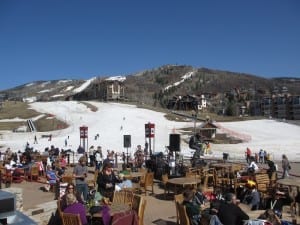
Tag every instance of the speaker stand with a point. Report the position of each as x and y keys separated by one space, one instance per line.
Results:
x=127 y=157
x=177 y=174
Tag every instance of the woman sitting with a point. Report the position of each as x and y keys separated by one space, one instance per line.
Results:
x=75 y=207
x=52 y=180
x=106 y=181
x=70 y=189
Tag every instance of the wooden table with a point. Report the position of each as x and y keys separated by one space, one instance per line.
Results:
x=289 y=182
x=183 y=181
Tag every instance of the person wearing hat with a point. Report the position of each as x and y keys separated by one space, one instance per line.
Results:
x=276 y=202
x=254 y=196
x=229 y=213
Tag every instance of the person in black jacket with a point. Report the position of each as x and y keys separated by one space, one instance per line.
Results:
x=106 y=181
x=229 y=213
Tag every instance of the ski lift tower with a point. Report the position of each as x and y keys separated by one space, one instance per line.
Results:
x=150 y=133
x=84 y=137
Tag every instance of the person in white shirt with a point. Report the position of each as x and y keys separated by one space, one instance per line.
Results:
x=98 y=158
x=253 y=166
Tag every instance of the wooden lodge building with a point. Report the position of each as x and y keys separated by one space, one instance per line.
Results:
x=187 y=102
x=103 y=90
x=207 y=130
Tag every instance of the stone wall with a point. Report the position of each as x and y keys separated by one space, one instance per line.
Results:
x=40 y=213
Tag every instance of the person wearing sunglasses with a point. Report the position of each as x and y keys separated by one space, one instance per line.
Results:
x=70 y=189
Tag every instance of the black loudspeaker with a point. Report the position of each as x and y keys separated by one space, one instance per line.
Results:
x=127 y=141
x=174 y=142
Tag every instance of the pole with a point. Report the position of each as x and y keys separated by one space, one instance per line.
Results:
x=195 y=117
x=127 y=157
x=150 y=150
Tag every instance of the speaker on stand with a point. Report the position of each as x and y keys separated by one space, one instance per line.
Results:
x=127 y=144
x=174 y=146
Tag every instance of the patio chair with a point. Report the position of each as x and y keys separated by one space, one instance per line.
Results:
x=149 y=182
x=92 y=183
x=67 y=179
x=142 y=211
x=33 y=173
x=119 y=196
x=139 y=205
x=123 y=218
x=178 y=199
x=183 y=217
x=70 y=219
x=128 y=197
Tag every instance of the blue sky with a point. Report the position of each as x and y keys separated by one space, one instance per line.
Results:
x=63 y=39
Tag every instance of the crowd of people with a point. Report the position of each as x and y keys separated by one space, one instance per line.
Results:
x=223 y=209
x=262 y=157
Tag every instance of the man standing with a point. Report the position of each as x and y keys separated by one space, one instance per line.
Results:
x=80 y=173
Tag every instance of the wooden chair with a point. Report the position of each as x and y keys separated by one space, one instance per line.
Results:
x=70 y=219
x=136 y=200
x=149 y=182
x=208 y=183
x=123 y=218
x=138 y=205
x=178 y=199
x=128 y=197
x=92 y=183
x=262 y=182
x=33 y=173
x=119 y=196
x=183 y=217
x=263 y=185
x=142 y=211
x=67 y=179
